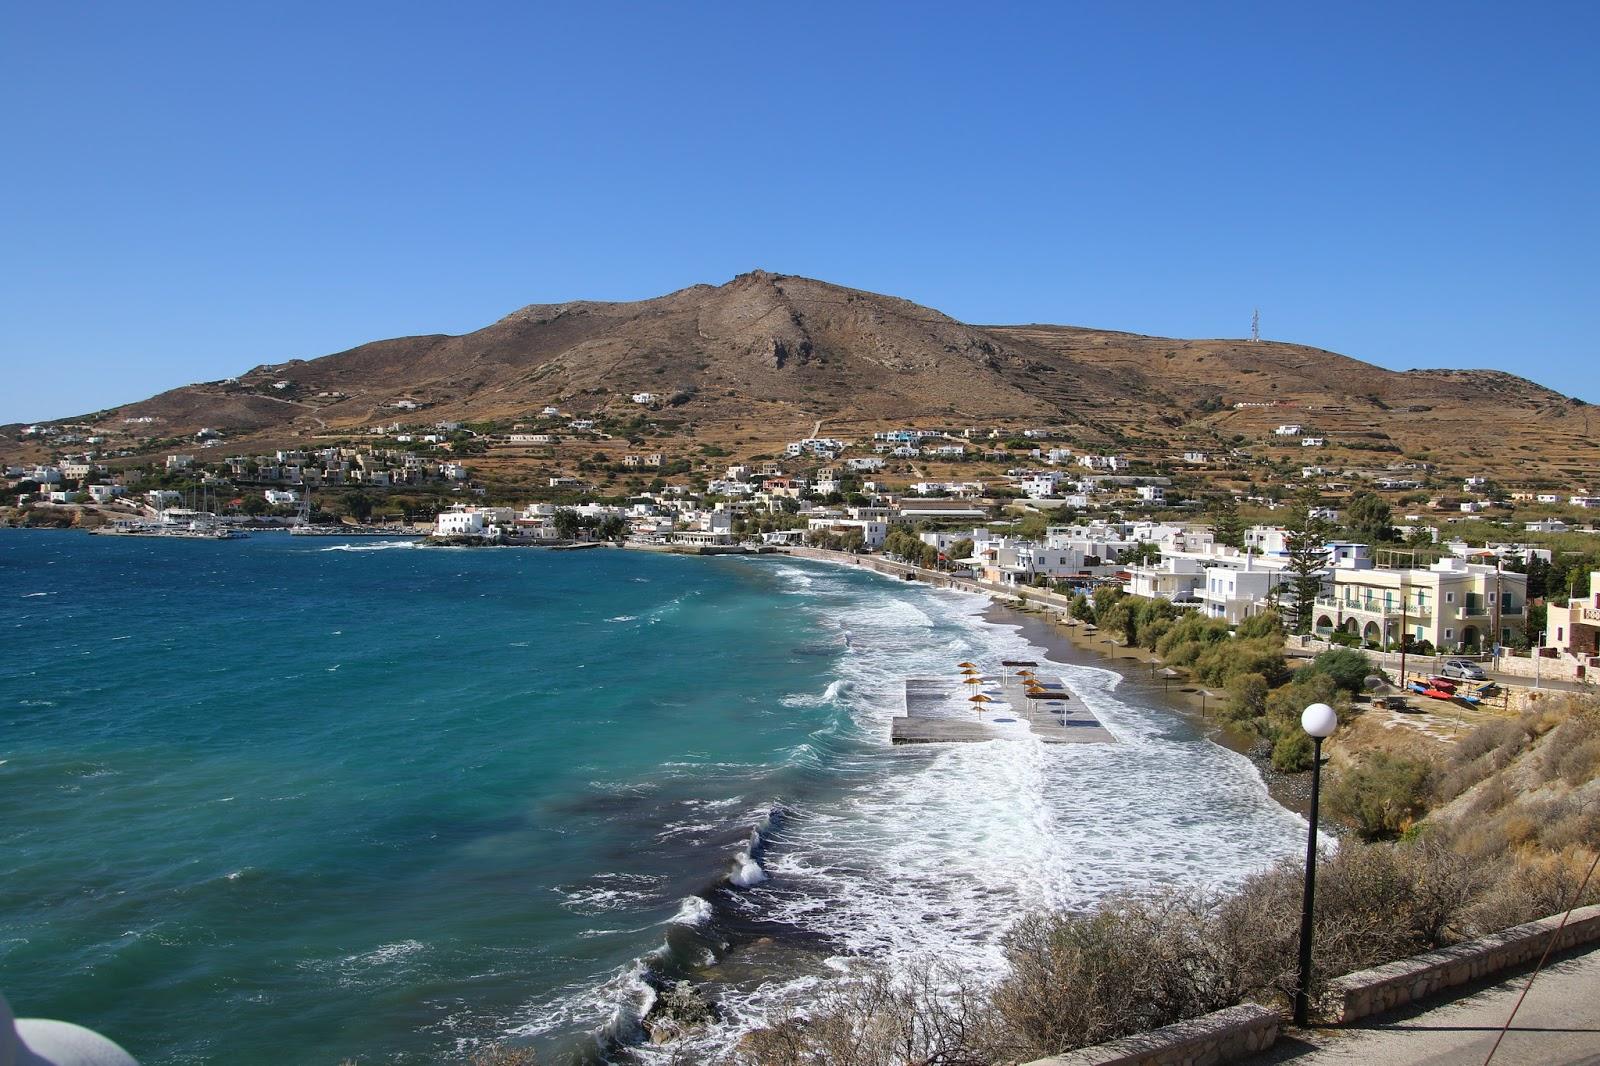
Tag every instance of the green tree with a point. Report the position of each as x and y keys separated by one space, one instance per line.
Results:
x=961 y=549
x=1082 y=609
x=567 y=523
x=612 y=527
x=1144 y=552
x=1367 y=519
x=358 y=505
x=1420 y=537
x=1226 y=525
x=1306 y=548
x=254 y=505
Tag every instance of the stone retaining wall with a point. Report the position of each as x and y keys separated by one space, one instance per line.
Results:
x=1563 y=668
x=1396 y=984
x=1211 y=1038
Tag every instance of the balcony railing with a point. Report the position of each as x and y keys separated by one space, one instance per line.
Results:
x=1378 y=607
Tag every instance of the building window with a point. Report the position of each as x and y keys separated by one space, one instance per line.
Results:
x=1449 y=634
x=1449 y=597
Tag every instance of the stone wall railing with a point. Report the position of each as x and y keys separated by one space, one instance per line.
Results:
x=1211 y=1038
x=1396 y=984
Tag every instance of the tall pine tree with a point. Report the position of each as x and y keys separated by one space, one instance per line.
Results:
x=1226 y=525
x=1306 y=544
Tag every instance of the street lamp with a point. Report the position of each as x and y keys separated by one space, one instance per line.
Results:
x=1319 y=721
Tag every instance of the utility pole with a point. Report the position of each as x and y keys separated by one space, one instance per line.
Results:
x=1405 y=638
x=1496 y=638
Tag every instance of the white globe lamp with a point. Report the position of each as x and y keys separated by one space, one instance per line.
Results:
x=1319 y=721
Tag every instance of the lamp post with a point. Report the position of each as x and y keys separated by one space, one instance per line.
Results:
x=1319 y=721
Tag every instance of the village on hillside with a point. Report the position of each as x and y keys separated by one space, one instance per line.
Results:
x=1442 y=561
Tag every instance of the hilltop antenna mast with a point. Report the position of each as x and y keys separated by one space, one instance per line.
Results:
x=1255 y=325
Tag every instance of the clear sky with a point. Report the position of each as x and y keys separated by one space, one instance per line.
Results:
x=191 y=189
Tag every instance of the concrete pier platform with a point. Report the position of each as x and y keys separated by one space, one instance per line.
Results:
x=938 y=711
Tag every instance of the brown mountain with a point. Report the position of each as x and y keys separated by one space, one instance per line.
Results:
x=781 y=352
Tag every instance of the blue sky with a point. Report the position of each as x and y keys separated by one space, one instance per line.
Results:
x=190 y=190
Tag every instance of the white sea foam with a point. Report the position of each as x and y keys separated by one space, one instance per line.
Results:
x=33 y=595
x=382 y=545
x=694 y=911
x=611 y=892
x=746 y=871
x=934 y=852
x=805 y=699
x=623 y=618
x=383 y=955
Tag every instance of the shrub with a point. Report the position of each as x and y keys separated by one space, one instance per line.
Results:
x=1293 y=751
x=1132 y=963
x=1577 y=752
x=1247 y=697
x=1533 y=888
x=1219 y=663
x=881 y=1020
x=1348 y=667
x=1381 y=794
x=1486 y=738
x=1285 y=704
x=1265 y=624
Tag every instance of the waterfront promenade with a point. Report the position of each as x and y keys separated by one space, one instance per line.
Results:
x=937 y=712
x=1557 y=1025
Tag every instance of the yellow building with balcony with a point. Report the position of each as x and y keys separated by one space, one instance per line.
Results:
x=1453 y=605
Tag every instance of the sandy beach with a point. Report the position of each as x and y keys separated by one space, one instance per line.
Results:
x=1140 y=669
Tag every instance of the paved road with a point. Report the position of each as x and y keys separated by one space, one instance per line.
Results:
x=1558 y=1025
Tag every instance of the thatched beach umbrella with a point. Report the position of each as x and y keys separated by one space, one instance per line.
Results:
x=972 y=681
x=967 y=666
x=979 y=700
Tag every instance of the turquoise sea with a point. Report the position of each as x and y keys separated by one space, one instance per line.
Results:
x=290 y=800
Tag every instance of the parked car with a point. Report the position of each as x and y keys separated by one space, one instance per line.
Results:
x=1464 y=668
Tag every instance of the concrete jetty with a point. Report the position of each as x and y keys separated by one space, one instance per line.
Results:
x=938 y=711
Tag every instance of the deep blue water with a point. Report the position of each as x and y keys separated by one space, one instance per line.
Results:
x=382 y=801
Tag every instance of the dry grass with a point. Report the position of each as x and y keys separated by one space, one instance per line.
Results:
x=1136 y=962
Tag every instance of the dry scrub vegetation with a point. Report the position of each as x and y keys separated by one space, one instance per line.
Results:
x=1137 y=962
x=1515 y=829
